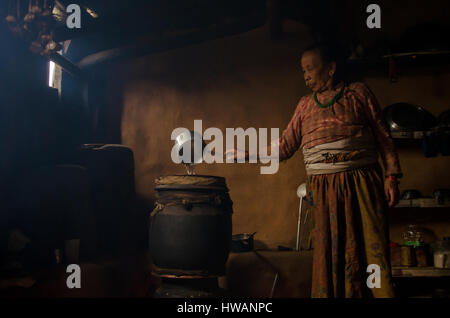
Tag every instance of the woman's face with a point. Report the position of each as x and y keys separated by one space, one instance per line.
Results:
x=318 y=76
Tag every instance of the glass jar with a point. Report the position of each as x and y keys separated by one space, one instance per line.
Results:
x=441 y=253
x=413 y=236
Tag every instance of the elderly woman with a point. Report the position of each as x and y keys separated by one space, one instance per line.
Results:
x=340 y=129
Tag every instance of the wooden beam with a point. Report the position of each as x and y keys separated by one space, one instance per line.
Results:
x=67 y=65
x=163 y=43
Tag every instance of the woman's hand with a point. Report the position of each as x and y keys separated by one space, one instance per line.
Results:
x=391 y=191
x=234 y=153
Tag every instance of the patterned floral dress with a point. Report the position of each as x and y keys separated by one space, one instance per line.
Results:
x=349 y=207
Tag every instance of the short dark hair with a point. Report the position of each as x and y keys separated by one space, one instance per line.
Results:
x=330 y=53
x=327 y=52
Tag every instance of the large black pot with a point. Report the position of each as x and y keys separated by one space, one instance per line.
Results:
x=190 y=228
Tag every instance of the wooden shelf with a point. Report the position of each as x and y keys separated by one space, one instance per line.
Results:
x=400 y=271
x=409 y=134
x=419 y=134
x=422 y=203
x=419 y=53
x=419 y=58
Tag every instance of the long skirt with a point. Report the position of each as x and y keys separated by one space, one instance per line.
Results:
x=350 y=232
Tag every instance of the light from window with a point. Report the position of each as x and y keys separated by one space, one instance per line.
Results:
x=51 y=73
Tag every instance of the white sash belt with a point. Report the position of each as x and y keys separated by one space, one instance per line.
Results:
x=364 y=144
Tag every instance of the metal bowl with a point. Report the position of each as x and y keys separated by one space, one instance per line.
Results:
x=242 y=242
x=187 y=140
x=411 y=194
x=408 y=117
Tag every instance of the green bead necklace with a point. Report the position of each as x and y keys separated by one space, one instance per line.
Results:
x=331 y=101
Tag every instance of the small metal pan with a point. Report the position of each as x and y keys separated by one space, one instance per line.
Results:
x=242 y=242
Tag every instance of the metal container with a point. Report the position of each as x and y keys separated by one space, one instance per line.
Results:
x=408 y=117
x=242 y=242
x=441 y=195
x=189 y=141
x=421 y=256
x=411 y=194
x=190 y=229
x=441 y=253
x=407 y=256
x=396 y=255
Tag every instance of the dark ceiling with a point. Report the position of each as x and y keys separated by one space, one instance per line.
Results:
x=156 y=25
x=122 y=23
x=137 y=27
